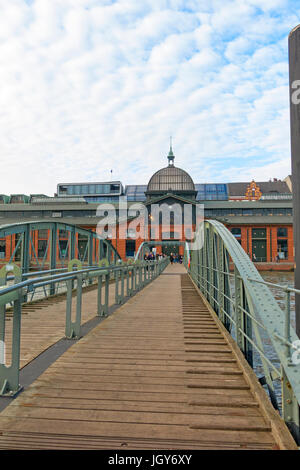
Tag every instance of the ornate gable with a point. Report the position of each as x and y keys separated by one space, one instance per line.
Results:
x=253 y=192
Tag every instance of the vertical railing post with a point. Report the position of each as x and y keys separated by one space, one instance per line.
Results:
x=140 y=276
x=90 y=254
x=117 y=299
x=201 y=271
x=122 y=284
x=25 y=253
x=73 y=327
x=134 y=278
x=103 y=282
x=99 y=295
x=9 y=375
x=127 y=281
x=106 y=300
x=237 y=309
x=197 y=271
x=53 y=252
x=68 y=330
x=72 y=247
x=16 y=343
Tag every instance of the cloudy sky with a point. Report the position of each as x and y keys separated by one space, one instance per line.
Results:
x=93 y=85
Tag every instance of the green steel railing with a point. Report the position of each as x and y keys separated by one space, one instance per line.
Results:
x=244 y=303
x=61 y=243
x=129 y=278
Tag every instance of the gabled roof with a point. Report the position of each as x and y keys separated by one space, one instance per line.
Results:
x=266 y=187
x=173 y=196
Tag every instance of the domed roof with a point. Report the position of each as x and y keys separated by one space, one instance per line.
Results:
x=171 y=178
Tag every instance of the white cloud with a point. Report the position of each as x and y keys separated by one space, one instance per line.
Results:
x=87 y=86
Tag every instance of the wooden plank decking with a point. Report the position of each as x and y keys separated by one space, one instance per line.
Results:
x=160 y=373
x=43 y=322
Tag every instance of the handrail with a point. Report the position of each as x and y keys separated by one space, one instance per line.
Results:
x=135 y=276
x=246 y=305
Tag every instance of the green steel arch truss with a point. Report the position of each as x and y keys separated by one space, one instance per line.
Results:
x=62 y=243
x=243 y=301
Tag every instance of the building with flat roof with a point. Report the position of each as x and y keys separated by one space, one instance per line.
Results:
x=259 y=214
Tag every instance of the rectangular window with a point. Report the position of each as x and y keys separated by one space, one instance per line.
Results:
x=282 y=249
x=130 y=248
x=42 y=247
x=236 y=231
x=282 y=232
x=63 y=189
x=43 y=234
x=114 y=188
x=259 y=233
x=2 y=248
x=131 y=233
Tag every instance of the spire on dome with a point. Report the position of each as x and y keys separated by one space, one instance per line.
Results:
x=171 y=155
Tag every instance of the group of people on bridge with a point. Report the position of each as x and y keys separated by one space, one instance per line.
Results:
x=176 y=258
x=154 y=256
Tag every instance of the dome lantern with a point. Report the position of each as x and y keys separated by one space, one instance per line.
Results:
x=171 y=155
x=171 y=180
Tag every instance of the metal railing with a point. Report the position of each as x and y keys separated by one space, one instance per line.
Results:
x=230 y=282
x=61 y=243
x=128 y=279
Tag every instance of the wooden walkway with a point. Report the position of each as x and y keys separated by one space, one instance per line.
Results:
x=159 y=373
x=43 y=322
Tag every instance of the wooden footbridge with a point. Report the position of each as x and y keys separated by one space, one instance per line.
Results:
x=147 y=362
x=161 y=372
